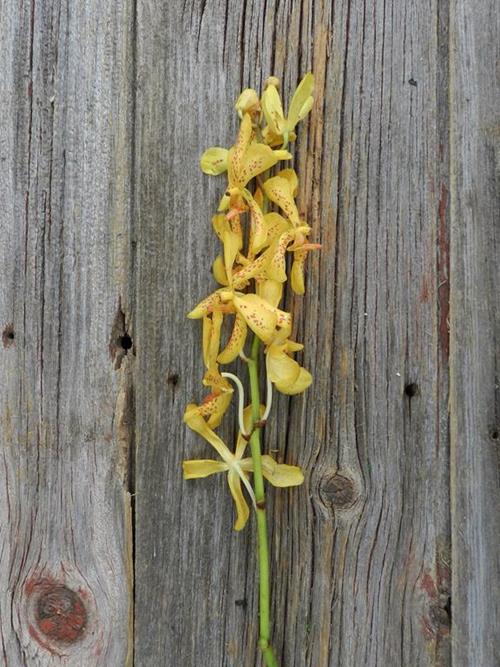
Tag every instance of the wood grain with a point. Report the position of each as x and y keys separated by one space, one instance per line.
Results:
x=475 y=332
x=361 y=553
x=106 y=244
x=65 y=523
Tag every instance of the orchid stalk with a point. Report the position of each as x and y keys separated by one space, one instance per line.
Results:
x=251 y=271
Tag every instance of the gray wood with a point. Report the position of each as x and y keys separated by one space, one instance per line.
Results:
x=475 y=332
x=361 y=553
x=65 y=521
x=106 y=244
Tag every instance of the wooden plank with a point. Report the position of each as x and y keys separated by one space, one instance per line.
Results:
x=65 y=524
x=362 y=550
x=475 y=331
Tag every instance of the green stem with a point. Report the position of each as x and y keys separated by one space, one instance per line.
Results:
x=260 y=497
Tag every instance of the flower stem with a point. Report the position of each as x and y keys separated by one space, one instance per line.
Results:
x=260 y=497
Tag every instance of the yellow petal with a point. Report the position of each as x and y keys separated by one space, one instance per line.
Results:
x=254 y=269
x=273 y=110
x=257 y=159
x=276 y=269
x=214 y=161
x=258 y=315
x=258 y=230
x=258 y=195
x=216 y=382
x=292 y=346
x=231 y=242
x=235 y=225
x=242 y=511
x=271 y=291
x=195 y=421
x=291 y=176
x=247 y=102
x=236 y=153
x=282 y=155
x=202 y=468
x=279 y=192
x=205 y=306
x=207 y=332
x=213 y=345
x=219 y=224
x=281 y=369
x=302 y=382
x=219 y=271
x=236 y=341
x=214 y=407
x=276 y=224
x=302 y=101
x=297 y=272
x=281 y=474
x=224 y=203
x=283 y=320
x=271 y=138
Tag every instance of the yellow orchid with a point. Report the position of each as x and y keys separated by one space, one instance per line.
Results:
x=243 y=161
x=237 y=467
x=257 y=223
x=285 y=373
x=280 y=130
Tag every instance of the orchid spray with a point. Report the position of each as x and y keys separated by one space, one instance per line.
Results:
x=251 y=271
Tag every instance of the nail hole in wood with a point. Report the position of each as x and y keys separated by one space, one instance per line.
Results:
x=411 y=389
x=125 y=341
x=8 y=335
x=120 y=341
x=173 y=379
x=494 y=433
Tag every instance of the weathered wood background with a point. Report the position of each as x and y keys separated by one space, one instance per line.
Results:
x=389 y=555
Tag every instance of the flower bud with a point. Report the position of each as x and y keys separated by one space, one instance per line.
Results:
x=272 y=81
x=248 y=102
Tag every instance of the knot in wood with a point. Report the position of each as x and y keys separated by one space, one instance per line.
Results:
x=339 y=491
x=8 y=335
x=60 y=614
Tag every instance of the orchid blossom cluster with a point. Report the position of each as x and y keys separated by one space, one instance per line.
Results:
x=251 y=271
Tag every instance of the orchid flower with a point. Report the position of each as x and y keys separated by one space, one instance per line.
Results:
x=280 y=130
x=237 y=467
x=258 y=223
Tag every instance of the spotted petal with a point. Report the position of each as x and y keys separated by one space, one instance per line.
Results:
x=258 y=315
x=276 y=269
x=257 y=159
x=197 y=423
x=205 y=306
x=279 y=191
x=236 y=153
x=258 y=232
x=236 y=341
x=297 y=272
x=214 y=161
